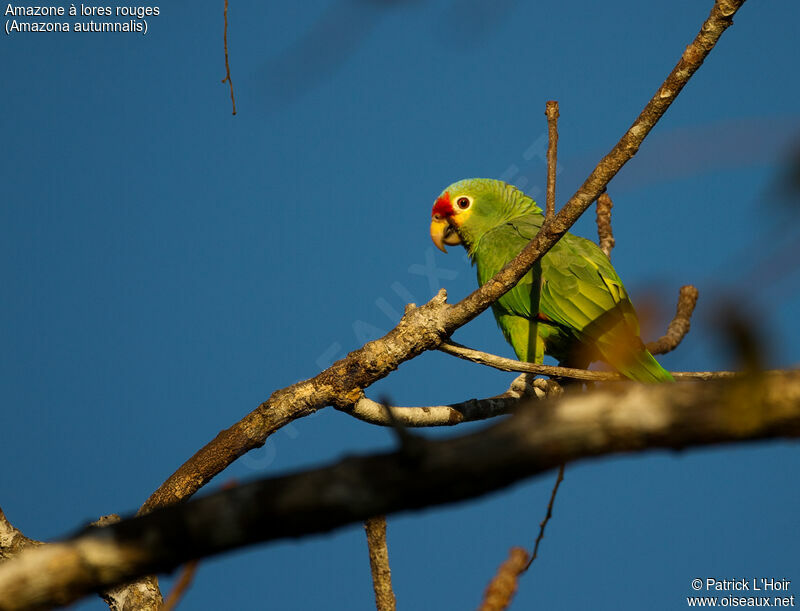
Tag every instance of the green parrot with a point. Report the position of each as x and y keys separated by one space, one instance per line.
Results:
x=571 y=305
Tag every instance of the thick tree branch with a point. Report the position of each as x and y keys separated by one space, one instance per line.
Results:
x=425 y=327
x=632 y=418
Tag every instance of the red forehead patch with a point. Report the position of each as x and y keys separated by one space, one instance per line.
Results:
x=442 y=206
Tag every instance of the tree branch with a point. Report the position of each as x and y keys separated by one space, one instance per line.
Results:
x=437 y=415
x=506 y=364
x=227 y=64
x=551 y=111
x=379 y=563
x=605 y=234
x=633 y=418
x=679 y=326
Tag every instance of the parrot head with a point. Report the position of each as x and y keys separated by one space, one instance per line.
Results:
x=469 y=208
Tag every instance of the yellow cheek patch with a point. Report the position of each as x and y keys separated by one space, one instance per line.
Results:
x=461 y=216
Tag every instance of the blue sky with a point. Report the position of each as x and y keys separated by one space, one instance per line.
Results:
x=166 y=266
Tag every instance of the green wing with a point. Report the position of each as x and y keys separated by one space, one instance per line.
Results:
x=580 y=294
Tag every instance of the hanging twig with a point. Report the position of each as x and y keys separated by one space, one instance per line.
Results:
x=227 y=65
x=548 y=515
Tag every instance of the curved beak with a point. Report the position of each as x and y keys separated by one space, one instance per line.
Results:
x=443 y=233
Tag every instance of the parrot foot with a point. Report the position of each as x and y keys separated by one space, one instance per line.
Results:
x=527 y=385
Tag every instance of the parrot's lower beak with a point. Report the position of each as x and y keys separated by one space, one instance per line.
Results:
x=443 y=233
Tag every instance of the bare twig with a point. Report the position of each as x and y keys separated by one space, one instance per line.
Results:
x=679 y=326
x=551 y=111
x=227 y=64
x=379 y=563
x=503 y=586
x=180 y=587
x=633 y=418
x=548 y=515
x=425 y=327
x=604 y=233
x=506 y=364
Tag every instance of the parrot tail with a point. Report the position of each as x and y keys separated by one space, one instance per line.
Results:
x=643 y=367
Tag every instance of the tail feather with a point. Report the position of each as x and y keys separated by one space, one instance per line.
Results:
x=643 y=367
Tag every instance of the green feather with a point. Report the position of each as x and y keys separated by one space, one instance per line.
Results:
x=572 y=305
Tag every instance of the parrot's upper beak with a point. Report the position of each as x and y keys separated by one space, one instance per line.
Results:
x=443 y=233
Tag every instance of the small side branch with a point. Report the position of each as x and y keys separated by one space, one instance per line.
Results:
x=505 y=364
x=679 y=326
x=522 y=387
x=676 y=331
x=503 y=586
x=379 y=563
x=437 y=415
x=551 y=111
x=604 y=233
x=227 y=64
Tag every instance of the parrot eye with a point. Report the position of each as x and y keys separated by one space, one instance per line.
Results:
x=463 y=203
x=437 y=217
